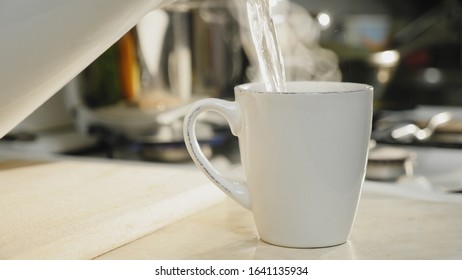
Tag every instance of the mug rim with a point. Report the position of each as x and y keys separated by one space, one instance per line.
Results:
x=306 y=87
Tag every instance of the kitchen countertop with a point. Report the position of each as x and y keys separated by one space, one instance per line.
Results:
x=387 y=227
x=403 y=220
x=72 y=208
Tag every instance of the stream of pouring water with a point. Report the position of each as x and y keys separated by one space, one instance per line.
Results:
x=266 y=46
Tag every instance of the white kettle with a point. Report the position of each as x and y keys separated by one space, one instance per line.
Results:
x=45 y=43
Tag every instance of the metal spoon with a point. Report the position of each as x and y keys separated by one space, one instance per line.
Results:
x=411 y=132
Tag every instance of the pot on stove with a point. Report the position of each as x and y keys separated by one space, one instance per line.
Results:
x=140 y=88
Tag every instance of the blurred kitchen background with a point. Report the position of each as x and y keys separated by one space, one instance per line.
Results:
x=129 y=103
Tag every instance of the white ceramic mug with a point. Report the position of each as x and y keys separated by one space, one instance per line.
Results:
x=304 y=155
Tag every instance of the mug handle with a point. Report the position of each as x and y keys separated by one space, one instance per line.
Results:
x=231 y=111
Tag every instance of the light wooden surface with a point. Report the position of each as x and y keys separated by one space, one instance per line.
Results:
x=71 y=209
x=79 y=209
x=387 y=227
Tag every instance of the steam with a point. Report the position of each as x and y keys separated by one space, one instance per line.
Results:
x=298 y=36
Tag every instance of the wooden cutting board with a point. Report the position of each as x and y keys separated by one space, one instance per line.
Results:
x=81 y=209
